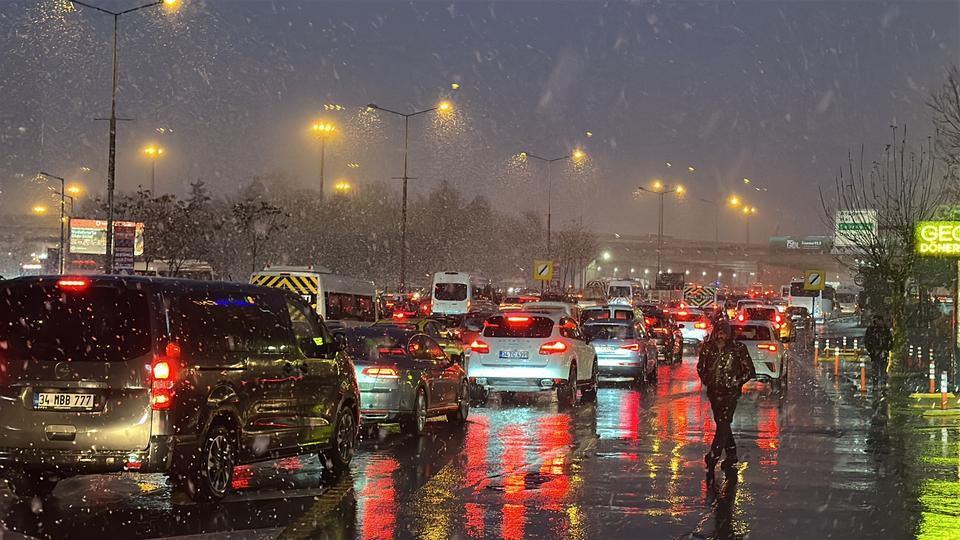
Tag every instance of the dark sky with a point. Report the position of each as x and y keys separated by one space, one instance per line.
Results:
x=774 y=91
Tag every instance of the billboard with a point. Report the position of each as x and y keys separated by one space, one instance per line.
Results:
x=855 y=228
x=89 y=236
x=937 y=239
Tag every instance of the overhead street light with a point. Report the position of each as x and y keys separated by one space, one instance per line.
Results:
x=322 y=130
x=576 y=156
x=444 y=107
x=63 y=196
x=153 y=152
x=661 y=190
x=112 y=142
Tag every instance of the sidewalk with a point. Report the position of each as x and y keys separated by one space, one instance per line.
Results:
x=916 y=443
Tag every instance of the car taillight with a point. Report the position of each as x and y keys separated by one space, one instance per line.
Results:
x=553 y=347
x=73 y=284
x=381 y=372
x=479 y=346
x=393 y=351
x=659 y=330
x=741 y=318
x=767 y=347
x=163 y=373
x=518 y=319
x=778 y=319
x=631 y=346
x=425 y=309
x=649 y=321
x=399 y=315
x=700 y=325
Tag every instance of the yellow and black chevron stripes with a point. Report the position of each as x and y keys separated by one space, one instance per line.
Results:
x=302 y=285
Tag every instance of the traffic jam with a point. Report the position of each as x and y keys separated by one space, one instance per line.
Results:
x=196 y=381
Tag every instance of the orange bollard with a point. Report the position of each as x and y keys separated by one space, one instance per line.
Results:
x=933 y=377
x=943 y=390
x=816 y=353
x=836 y=363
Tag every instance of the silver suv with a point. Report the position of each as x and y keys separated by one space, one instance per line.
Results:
x=103 y=374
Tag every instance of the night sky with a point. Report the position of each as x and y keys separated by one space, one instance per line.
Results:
x=774 y=91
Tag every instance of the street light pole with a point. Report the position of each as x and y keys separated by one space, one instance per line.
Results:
x=112 y=142
x=661 y=191
x=576 y=155
x=443 y=106
x=63 y=195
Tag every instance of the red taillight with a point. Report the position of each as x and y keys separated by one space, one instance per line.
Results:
x=700 y=325
x=767 y=347
x=381 y=372
x=516 y=319
x=425 y=309
x=73 y=284
x=479 y=347
x=740 y=317
x=553 y=347
x=393 y=351
x=682 y=313
x=631 y=346
x=163 y=373
x=399 y=315
x=649 y=321
x=778 y=319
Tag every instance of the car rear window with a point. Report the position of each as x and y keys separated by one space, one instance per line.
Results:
x=609 y=331
x=763 y=314
x=89 y=324
x=450 y=291
x=750 y=333
x=608 y=314
x=233 y=322
x=519 y=326
x=689 y=316
x=369 y=346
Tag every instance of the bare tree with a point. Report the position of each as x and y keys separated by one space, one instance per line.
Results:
x=886 y=198
x=575 y=247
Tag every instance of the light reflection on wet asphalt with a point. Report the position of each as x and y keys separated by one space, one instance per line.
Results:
x=629 y=466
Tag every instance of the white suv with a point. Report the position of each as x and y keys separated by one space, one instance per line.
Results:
x=766 y=350
x=524 y=351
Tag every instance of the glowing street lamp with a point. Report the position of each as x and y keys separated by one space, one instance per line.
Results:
x=321 y=131
x=343 y=187
x=112 y=140
x=442 y=108
x=153 y=153
x=39 y=210
x=576 y=157
x=661 y=190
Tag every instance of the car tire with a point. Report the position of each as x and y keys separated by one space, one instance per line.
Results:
x=336 y=459
x=653 y=374
x=209 y=478
x=459 y=416
x=478 y=395
x=590 y=393
x=27 y=485
x=416 y=423
x=567 y=393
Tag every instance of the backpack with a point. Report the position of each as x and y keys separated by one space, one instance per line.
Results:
x=725 y=371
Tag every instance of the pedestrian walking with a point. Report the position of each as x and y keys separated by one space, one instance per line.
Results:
x=724 y=367
x=878 y=340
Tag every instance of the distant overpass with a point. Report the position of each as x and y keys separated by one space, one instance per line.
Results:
x=734 y=264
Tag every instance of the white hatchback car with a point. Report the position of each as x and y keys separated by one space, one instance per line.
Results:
x=766 y=351
x=522 y=351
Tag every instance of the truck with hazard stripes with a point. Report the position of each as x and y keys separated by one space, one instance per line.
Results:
x=334 y=297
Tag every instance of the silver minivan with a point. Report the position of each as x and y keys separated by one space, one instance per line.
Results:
x=103 y=374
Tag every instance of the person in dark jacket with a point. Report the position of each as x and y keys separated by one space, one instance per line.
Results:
x=724 y=367
x=878 y=340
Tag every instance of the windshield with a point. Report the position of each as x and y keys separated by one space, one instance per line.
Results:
x=94 y=324
x=450 y=292
x=518 y=326
x=609 y=331
x=620 y=292
x=750 y=333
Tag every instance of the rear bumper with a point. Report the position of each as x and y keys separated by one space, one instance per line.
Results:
x=508 y=384
x=624 y=369
x=158 y=457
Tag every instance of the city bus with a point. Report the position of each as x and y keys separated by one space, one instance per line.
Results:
x=818 y=303
x=351 y=301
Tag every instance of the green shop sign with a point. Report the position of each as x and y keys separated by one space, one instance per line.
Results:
x=937 y=238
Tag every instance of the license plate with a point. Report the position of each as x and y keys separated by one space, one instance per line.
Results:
x=521 y=355
x=56 y=401
x=606 y=348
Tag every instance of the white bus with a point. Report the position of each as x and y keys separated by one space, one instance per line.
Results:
x=818 y=303
x=458 y=293
x=336 y=298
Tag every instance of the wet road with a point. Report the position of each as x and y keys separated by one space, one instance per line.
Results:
x=629 y=466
